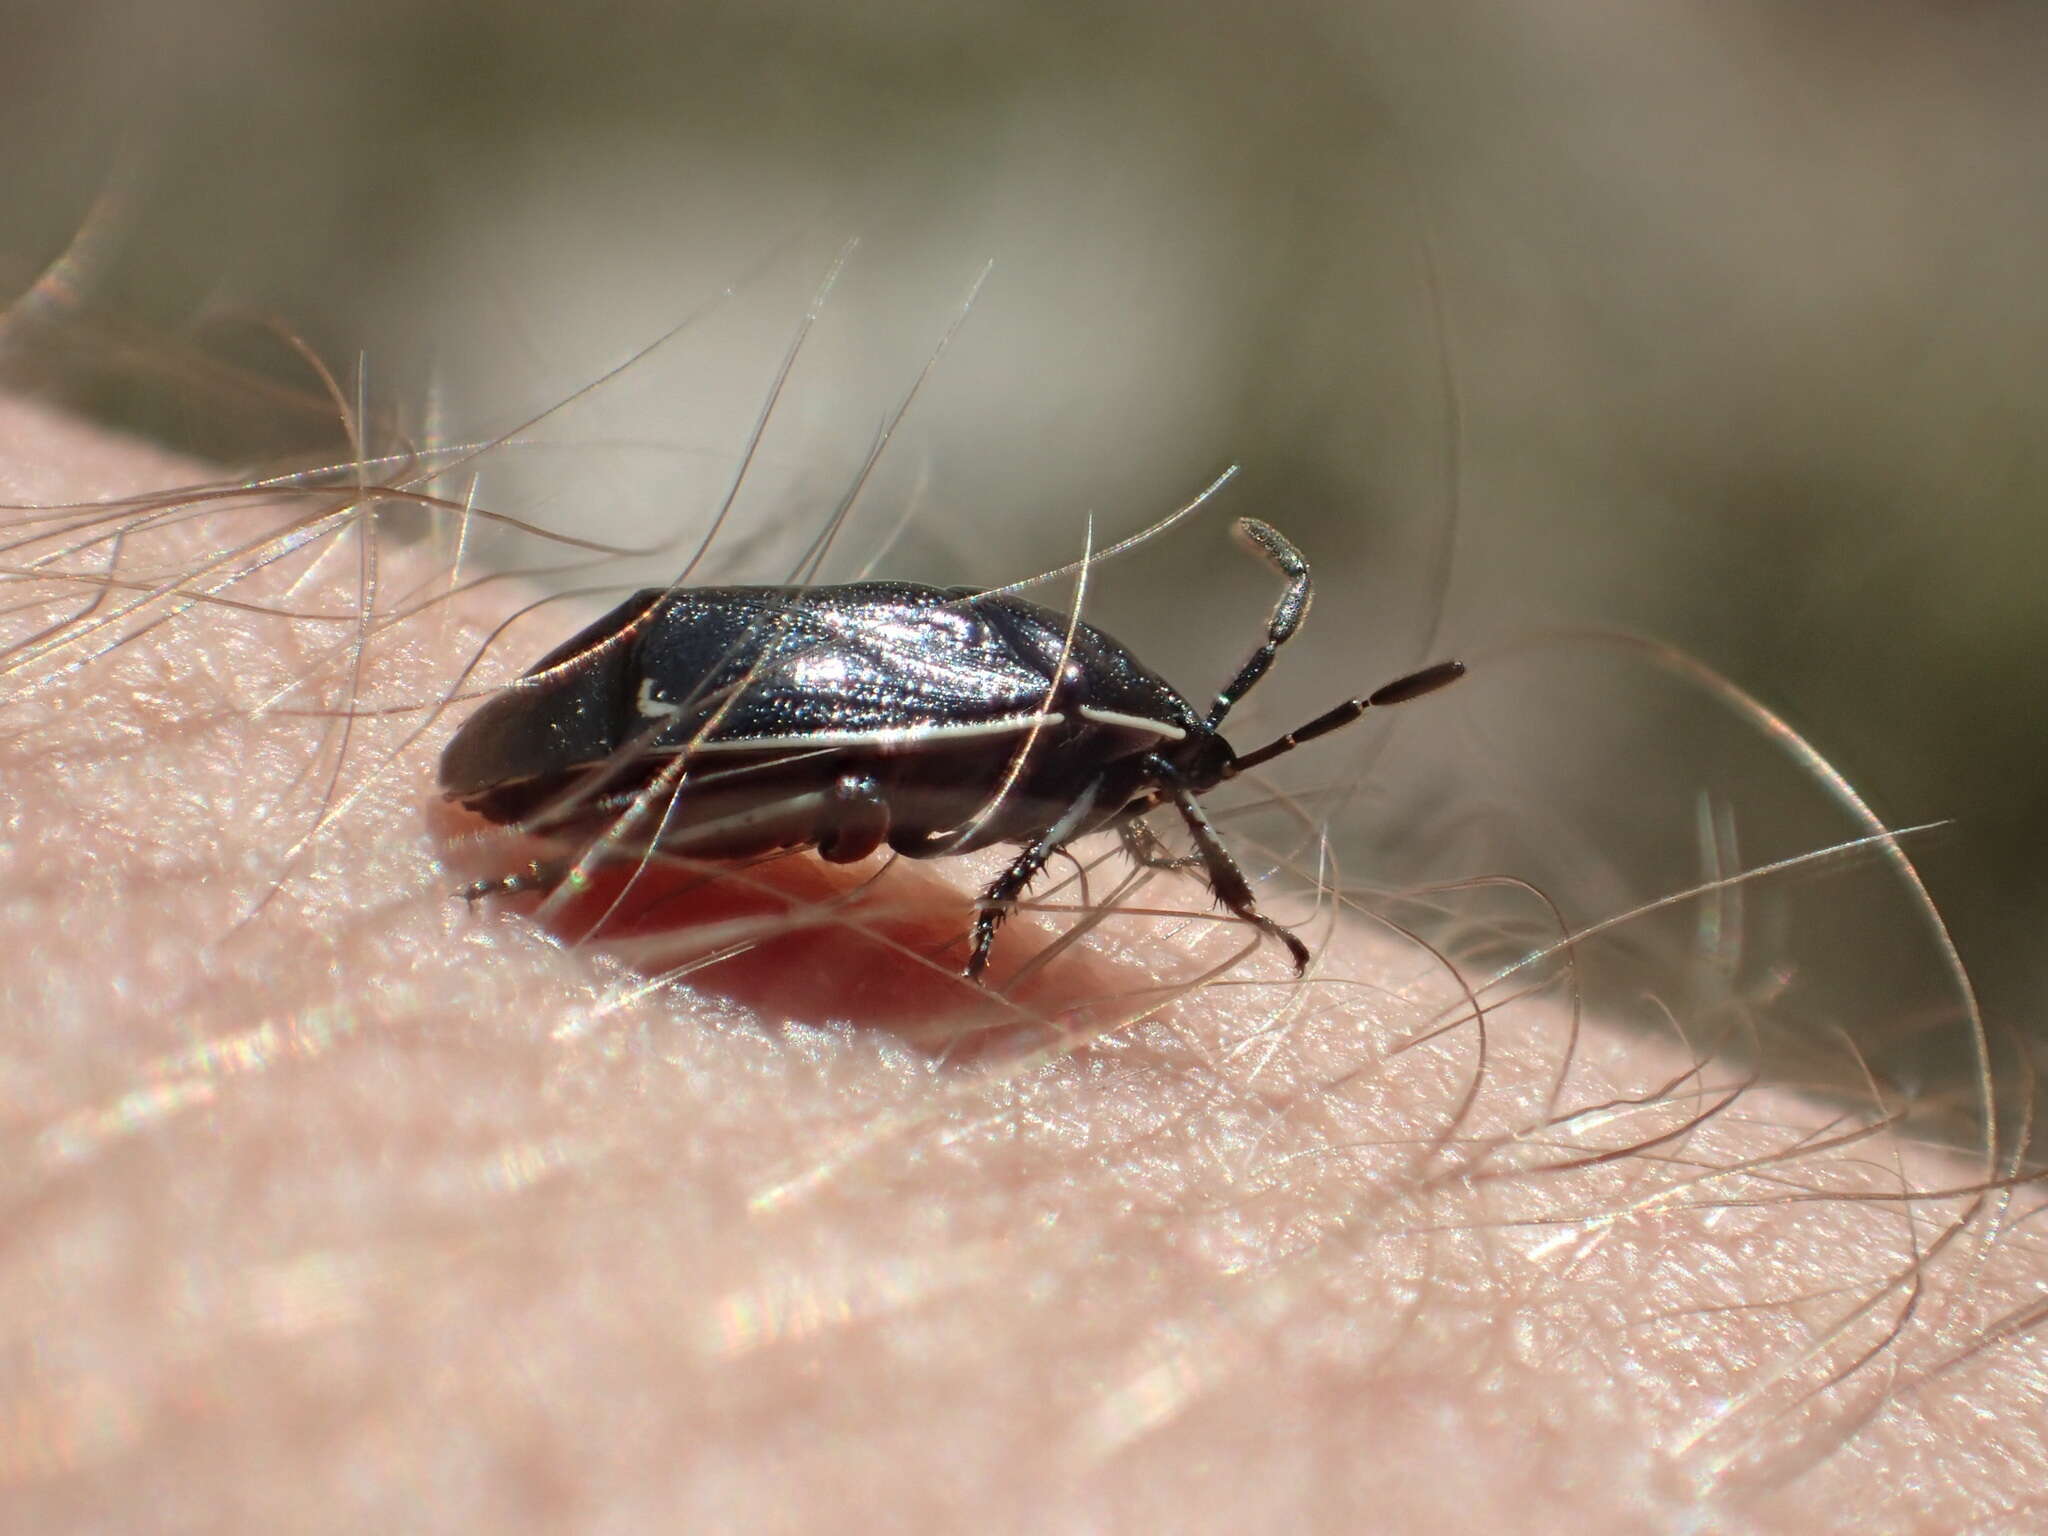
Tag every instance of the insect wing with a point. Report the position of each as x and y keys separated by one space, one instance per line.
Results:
x=870 y=664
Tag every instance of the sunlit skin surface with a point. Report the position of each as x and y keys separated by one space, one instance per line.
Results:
x=376 y=1211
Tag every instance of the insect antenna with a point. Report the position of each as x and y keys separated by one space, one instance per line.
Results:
x=1400 y=691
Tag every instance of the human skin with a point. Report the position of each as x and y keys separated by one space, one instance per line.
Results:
x=332 y=1204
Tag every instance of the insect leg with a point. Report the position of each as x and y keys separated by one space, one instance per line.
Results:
x=1287 y=613
x=1142 y=844
x=997 y=900
x=1225 y=878
x=540 y=875
x=1002 y=893
x=860 y=819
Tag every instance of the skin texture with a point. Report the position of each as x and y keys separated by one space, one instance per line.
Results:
x=368 y=1210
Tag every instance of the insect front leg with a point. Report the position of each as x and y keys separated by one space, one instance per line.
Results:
x=1225 y=878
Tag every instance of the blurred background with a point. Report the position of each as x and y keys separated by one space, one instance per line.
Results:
x=1720 y=323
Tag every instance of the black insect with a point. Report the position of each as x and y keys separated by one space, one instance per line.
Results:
x=731 y=722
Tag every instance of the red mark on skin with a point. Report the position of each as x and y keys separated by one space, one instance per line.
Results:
x=878 y=944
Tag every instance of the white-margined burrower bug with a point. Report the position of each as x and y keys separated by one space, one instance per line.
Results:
x=726 y=723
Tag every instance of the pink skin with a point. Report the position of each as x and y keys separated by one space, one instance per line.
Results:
x=376 y=1213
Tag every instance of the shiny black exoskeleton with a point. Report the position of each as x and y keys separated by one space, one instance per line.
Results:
x=731 y=722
